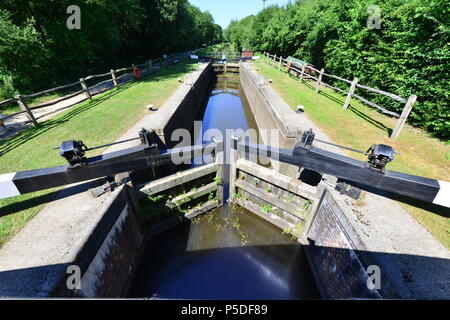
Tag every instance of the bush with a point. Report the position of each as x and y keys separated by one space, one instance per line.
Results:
x=409 y=54
x=7 y=89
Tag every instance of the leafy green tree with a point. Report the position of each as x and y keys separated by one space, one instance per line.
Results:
x=409 y=54
x=38 y=51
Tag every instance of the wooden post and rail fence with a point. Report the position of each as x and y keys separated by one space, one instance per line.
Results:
x=88 y=91
x=303 y=75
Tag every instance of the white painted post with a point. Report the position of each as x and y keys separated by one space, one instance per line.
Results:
x=303 y=72
x=279 y=65
x=233 y=159
x=403 y=117
x=267 y=57
x=350 y=93
x=319 y=81
x=24 y=107
x=85 y=88
x=220 y=171
x=114 y=78
x=274 y=60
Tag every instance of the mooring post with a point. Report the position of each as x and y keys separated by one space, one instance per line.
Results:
x=404 y=116
x=24 y=107
x=319 y=81
x=114 y=78
x=85 y=88
x=350 y=93
x=281 y=61
x=302 y=72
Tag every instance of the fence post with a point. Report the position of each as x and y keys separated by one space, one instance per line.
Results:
x=319 y=81
x=274 y=60
x=267 y=57
x=149 y=66
x=114 y=78
x=85 y=88
x=350 y=93
x=302 y=72
x=24 y=107
x=279 y=65
x=405 y=113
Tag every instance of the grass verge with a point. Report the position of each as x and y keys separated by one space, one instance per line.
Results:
x=96 y=122
x=361 y=126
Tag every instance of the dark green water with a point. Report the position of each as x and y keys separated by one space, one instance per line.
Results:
x=228 y=253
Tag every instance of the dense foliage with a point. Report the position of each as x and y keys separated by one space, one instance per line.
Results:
x=37 y=50
x=408 y=54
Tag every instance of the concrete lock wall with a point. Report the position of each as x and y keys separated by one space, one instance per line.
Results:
x=180 y=109
x=109 y=257
x=270 y=112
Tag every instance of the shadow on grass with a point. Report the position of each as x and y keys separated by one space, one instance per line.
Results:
x=372 y=121
x=16 y=141
x=340 y=102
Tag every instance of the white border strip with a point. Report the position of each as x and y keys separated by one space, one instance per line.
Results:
x=7 y=186
x=443 y=196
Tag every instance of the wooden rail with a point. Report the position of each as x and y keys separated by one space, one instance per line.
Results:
x=160 y=62
x=351 y=91
x=277 y=198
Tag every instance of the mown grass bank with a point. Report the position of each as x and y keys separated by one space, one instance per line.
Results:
x=96 y=122
x=361 y=126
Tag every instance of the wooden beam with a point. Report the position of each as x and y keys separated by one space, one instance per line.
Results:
x=350 y=93
x=191 y=195
x=85 y=88
x=178 y=179
x=270 y=198
x=284 y=182
x=403 y=117
x=319 y=80
x=114 y=78
x=24 y=107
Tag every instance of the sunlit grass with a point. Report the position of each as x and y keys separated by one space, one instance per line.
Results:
x=96 y=122
x=360 y=126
